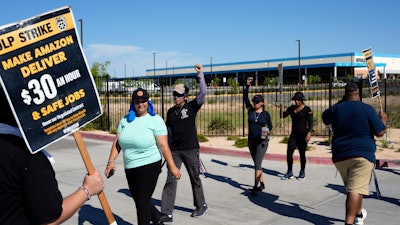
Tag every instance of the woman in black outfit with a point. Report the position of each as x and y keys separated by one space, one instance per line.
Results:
x=258 y=119
x=302 y=126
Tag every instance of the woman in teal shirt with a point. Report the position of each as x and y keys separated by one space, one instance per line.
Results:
x=142 y=136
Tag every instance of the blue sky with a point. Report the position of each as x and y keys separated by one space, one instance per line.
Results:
x=182 y=33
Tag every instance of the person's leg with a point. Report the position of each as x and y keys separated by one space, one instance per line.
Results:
x=142 y=182
x=252 y=150
x=291 y=146
x=302 y=146
x=353 y=206
x=259 y=157
x=190 y=159
x=356 y=174
x=169 y=192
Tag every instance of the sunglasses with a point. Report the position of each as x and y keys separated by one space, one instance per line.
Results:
x=176 y=94
x=140 y=100
x=256 y=102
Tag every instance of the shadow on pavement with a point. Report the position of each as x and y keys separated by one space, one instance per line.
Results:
x=290 y=209
x=270 y=202
x=96 y=216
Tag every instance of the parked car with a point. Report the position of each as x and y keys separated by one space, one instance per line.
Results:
x=339 y=83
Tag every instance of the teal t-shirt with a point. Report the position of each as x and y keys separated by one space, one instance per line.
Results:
x=138 y=142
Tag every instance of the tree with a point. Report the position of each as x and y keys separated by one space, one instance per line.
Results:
x=99 y=72
x=314 y=79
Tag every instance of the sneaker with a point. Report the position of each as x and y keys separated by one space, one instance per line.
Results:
x=360 y=220
x=166 y=219
x=302 y=175
x=200 y=211
x=288 y=175
x=253 y=191
x=261 y=187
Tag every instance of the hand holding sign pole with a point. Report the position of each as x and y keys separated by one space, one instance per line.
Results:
x=90 y=168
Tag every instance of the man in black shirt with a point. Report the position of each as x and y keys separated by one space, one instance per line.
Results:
x=181 y=124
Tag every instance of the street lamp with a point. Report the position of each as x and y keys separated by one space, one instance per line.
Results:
x=298 y=44
x=211 y=69
x=81 y=22
x=166 y=67
x=154 y=64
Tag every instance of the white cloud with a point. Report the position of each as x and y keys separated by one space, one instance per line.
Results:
x=127 y=60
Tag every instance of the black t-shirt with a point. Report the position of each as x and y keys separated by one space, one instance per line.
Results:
x=28 y=189
x=181 y=123
x=302 y=121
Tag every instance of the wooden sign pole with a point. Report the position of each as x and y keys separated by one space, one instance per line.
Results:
x=90 y=168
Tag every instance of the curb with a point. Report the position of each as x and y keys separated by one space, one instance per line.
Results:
x=268 y=156
x=227 y=152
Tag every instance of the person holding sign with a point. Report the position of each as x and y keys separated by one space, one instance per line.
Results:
x=302 y=127
x=259 y=127
x=29 y=191
x=354 y=125
x=141 y=135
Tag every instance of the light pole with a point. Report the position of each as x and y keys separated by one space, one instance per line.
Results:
x=81 y=22
x=154 y=64
x=298 y=45
x=211 y=70
x=166 y=67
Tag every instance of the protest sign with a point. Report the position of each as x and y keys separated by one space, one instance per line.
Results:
x=373 y=81
x=46 y=77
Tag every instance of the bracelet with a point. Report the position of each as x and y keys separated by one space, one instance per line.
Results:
x=110 y=161
x=86 y=192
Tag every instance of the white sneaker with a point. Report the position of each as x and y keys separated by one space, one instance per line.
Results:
x=360 y=220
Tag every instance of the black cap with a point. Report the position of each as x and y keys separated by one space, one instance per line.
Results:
x=350 y=87
x=258 y=98
x=140 y=93
x=298 y=96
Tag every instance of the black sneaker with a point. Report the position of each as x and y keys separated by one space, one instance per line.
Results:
x=200 y=211
x=261 y=187
x=166 y=219
x=302 y=175
x=288 y=175
x=253 y=191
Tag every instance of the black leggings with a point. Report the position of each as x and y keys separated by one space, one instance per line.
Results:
x=257 y=152
x=142 y=182
x=301 y=144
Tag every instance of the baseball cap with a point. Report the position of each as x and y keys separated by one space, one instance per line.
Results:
x=140 y=93
x=181 y=89
x=350 y=87
x=298 y=96
x=258 y=98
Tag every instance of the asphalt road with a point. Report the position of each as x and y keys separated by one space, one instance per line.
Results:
x=319 y=199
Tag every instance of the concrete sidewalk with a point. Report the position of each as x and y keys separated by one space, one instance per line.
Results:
x=319 y=199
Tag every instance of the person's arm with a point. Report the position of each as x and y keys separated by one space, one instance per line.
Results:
x=92 y=185
x=269 y=123
x=246 y=93
x=202 y=83
x=162 y=143
x=115 y=149
x=309 y=124
x=282 y=113
x=384 y=117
